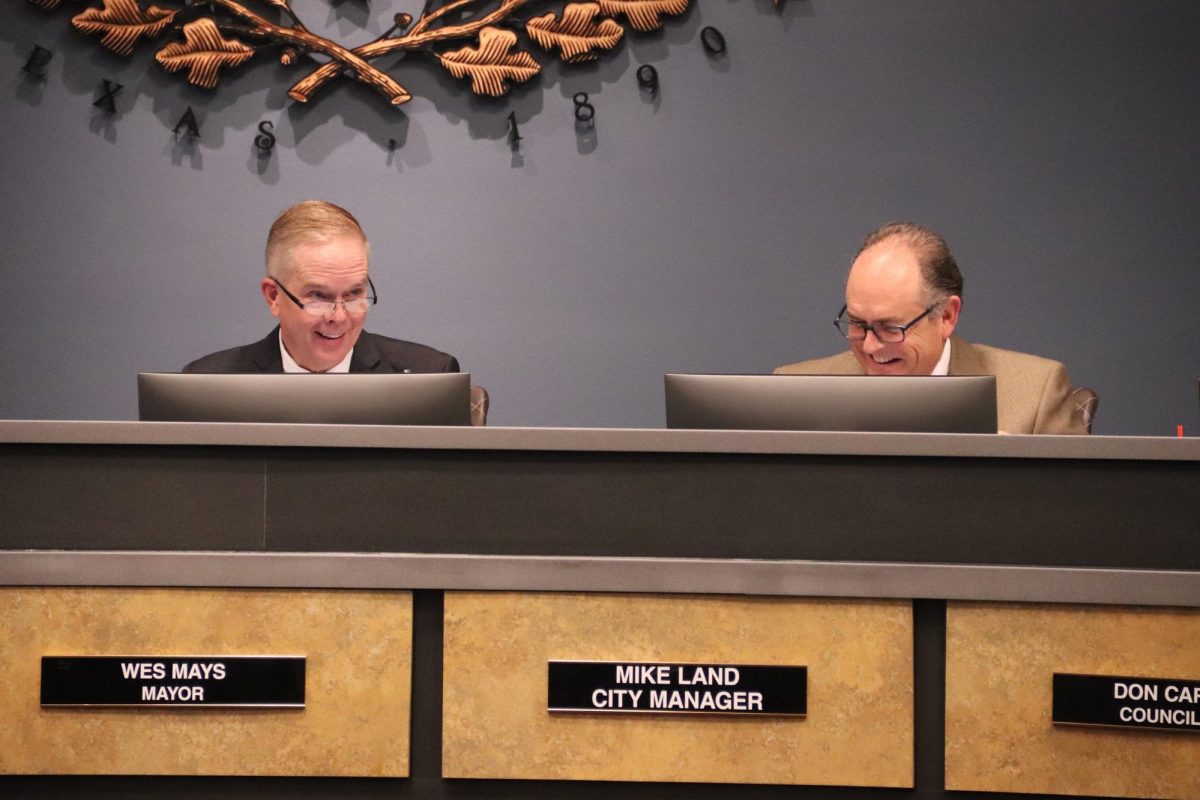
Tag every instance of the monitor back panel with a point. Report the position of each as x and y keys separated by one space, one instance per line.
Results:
x=911 y=404
x=350 y=399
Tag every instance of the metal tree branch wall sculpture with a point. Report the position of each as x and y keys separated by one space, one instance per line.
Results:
x=213 y=32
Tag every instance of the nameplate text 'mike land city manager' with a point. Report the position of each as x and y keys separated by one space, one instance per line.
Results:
x=625 y=687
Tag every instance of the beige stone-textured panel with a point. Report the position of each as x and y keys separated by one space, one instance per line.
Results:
x=359 y=653
x=859 y=728
x=999 y=663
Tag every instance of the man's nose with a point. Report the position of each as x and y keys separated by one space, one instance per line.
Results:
x=339 y=311
x=871 y=343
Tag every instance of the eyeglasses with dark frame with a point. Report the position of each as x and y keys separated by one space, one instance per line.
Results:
x=321 y=308
x=885 y=332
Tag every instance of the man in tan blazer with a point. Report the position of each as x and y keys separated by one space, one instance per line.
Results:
x=903 y=297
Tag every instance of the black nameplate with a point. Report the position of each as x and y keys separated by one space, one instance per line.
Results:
x=1124 y=702
x=200 y=681
x=634 y=687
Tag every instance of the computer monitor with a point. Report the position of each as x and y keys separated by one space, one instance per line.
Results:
x=351 y=399
x=916 y=404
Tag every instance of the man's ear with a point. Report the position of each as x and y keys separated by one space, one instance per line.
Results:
x=270 y=292
x=948 y=316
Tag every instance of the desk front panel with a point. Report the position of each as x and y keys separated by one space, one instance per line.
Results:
x=1000 y=659
x=858 y=730
x=655 y=504
x=358 y=648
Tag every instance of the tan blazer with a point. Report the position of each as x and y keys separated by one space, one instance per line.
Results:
x=1033 y=394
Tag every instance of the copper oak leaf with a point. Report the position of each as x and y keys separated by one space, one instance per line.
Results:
x=577 y=34
x=204 y=52
x=644 y=15
x=490 y=65
x=122 y=22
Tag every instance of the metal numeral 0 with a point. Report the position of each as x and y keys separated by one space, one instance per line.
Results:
x=713 y=41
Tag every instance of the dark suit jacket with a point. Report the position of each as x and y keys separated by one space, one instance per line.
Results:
x=372 y=353
x=1033 y=394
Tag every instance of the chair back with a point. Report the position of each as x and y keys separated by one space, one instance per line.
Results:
x=1085 y=401
x=479 y=406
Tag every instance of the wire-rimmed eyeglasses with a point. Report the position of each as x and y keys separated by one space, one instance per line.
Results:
x=322 y=308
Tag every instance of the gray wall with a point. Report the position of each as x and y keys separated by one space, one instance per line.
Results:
x=1053 y=142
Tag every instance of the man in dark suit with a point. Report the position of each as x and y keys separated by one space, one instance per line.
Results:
x=903 y=296
x=318 y=288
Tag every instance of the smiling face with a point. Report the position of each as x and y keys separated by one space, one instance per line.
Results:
x=886 y=285
x=328 y=269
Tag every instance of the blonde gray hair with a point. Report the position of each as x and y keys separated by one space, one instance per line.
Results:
x=310 y=221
